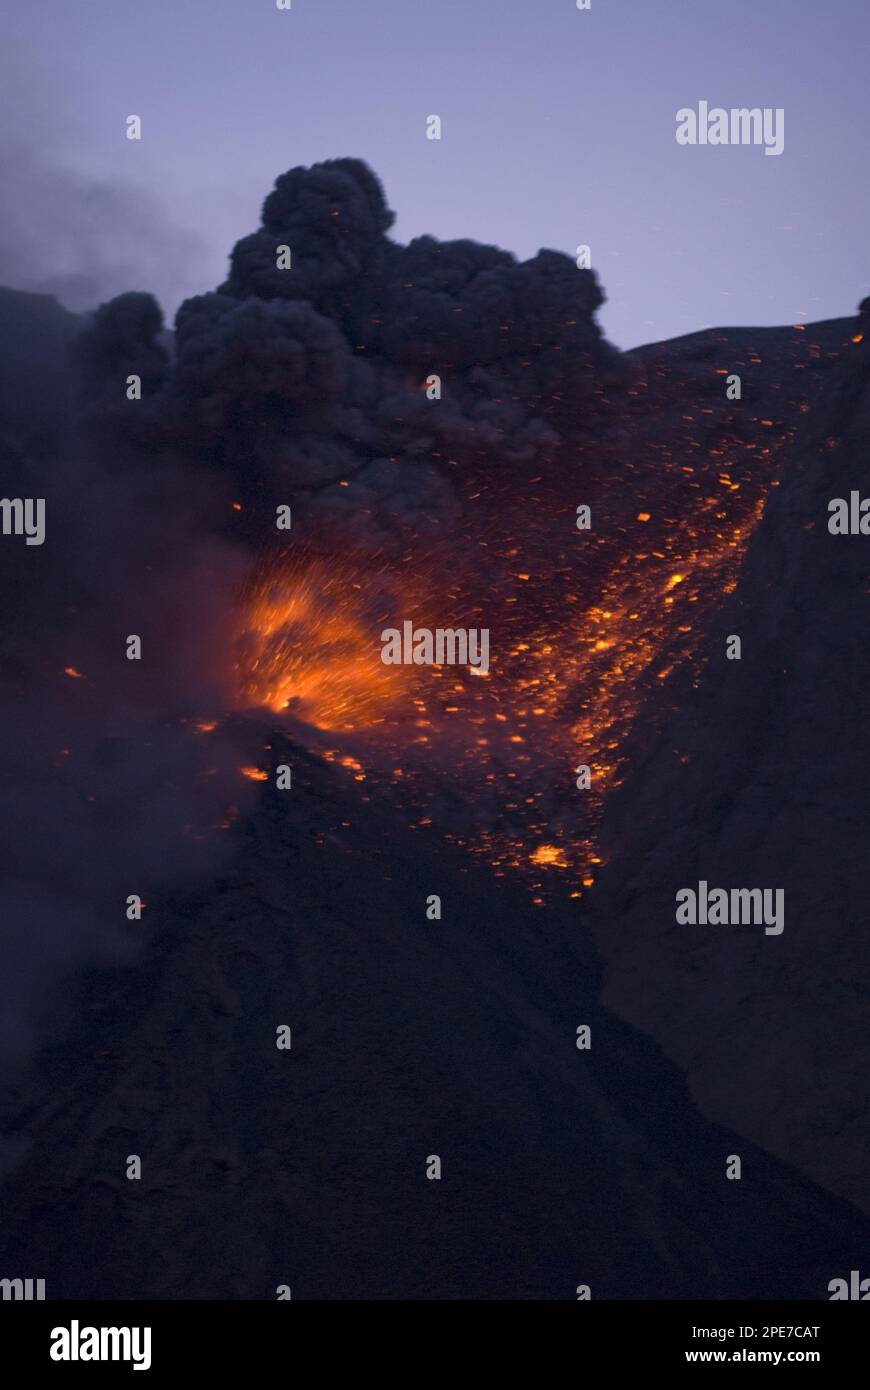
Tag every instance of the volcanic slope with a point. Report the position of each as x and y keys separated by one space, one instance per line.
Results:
x=759 y=779
x=410 y=1038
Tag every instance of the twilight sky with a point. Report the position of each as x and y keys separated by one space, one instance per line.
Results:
x=558 y=129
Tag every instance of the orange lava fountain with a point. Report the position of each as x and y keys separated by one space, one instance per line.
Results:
x=309 y=649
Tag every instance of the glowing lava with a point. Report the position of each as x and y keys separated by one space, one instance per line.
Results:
x=576 y=659
x=550 y=854
x=310 y=649
x=584 y=637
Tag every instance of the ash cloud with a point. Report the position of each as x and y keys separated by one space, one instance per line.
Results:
x=307 y=385
x=303 y=387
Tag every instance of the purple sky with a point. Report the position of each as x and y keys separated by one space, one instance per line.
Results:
x=558 y=129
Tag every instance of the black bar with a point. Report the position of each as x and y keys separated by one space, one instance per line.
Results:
x=229 y=1339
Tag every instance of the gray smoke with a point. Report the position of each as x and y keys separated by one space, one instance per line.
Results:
x=307 y=385
x=85 y=240
x=105 y=789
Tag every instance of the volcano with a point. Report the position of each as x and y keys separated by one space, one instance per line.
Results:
x=618 y=1104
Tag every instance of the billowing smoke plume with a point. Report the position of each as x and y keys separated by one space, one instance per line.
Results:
x=310 y=386
x=307 y=378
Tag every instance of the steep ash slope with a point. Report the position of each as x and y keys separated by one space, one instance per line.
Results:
x=410 y=1038
x=760 y=780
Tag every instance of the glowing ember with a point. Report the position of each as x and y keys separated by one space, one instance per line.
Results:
x=550 y=854
x=583 y=640
x=256 y=774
